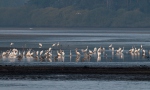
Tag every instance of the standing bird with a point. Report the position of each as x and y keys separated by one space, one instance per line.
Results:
x=122 y=50
x=77 y=53
x=84 y=50
x=57 y=44
x=95 y=49
x=11 y=44
x=141 y=47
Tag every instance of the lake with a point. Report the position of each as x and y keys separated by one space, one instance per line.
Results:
x=26 y=39
x=70 y=39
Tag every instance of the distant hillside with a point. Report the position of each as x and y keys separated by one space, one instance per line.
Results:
x=143 y=5
x=75 y=13
x=12 y=3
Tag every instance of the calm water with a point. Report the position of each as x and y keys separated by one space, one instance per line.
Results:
x=70 y=39
x=73 y=85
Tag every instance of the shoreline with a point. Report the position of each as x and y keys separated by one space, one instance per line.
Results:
x=72 y=28
x=137 y=68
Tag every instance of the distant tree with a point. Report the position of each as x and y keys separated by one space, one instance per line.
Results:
x=12 y=3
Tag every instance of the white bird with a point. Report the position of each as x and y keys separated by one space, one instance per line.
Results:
x=50 y=54
x=58 y=44
x=119 y=50
x=40 y=45
x=62 y=53
x=112 y=49
x=99 y=49
x=4 y=53
x=53 y=44
x=77 y=53
x=90 y=52
x=37 y=53
x=122 y=50
x=98 y=53
x=103 y=49
x=49 y=49
x=141 y=46
x=28 y=53
x=11 y=44
x=59 y=54
x=95 y=49
x=41 y=52
x=110 y=45
x=143 y=51
x=84 y=50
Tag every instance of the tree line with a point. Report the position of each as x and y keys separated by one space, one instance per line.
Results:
x=77 y=13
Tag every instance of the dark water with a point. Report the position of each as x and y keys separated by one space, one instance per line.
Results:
x=70 y=39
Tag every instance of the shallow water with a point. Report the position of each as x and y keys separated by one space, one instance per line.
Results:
x=70 y=39
x=74 y=85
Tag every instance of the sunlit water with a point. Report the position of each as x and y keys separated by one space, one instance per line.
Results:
x=70 y=39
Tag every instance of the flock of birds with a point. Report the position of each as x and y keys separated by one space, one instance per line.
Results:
x=60 y=54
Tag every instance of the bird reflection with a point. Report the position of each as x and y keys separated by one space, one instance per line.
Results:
x=99 y=58
x=29 y=58
x=77 y=58
x=49 y=59
x=122 y=56
x=70 y=58
x=12 y=59
x=112 y=55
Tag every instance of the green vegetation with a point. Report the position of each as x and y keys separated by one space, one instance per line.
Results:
x=75 y=13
